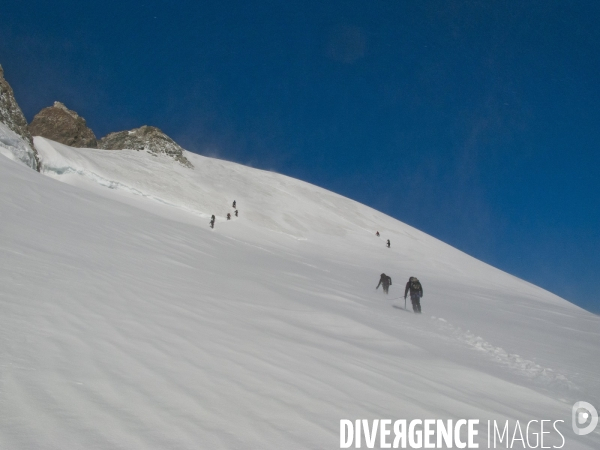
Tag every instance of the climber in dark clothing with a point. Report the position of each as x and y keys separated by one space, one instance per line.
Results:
x=233 y=204
x=384 y=281
x=236 y=213
x=388 y=244
x=377 y=234
x=416 y=292
x=212 y=221
x=228 y=216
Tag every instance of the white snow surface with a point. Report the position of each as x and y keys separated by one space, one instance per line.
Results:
x=127 y=323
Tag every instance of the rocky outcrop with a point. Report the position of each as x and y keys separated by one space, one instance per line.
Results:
x=12 y=116
x=63 y=125
x=146 y=138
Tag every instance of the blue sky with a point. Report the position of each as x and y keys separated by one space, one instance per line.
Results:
x=477 y=122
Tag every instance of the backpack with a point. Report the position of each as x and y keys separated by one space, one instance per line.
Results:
x=415 y=285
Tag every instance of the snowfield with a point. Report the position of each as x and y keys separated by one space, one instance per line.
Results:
x=127 y=323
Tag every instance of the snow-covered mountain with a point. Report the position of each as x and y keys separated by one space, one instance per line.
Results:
x=126 y=322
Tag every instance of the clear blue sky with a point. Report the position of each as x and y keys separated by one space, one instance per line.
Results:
x=477 y=122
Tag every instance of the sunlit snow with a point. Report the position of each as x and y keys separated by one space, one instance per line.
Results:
x=127 y=323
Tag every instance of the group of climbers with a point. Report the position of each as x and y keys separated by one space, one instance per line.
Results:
x=234 y=205
x=413 y=286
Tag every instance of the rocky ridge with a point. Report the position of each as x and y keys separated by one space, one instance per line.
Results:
x=150 y=139
x=63 y=125
x=12 y=117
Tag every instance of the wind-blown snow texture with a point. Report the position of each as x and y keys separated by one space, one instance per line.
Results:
x=126 y=322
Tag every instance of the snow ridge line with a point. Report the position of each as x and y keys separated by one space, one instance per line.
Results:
x=542 y=376
x=111 y=184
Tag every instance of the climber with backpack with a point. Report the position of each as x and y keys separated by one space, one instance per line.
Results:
x=416 y=292
x=384 y=281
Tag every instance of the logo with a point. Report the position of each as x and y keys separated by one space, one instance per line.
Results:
x=586 y=416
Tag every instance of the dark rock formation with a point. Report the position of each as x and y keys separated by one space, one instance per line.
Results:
x=62 y=125
x=146 y=138
x=12 y=116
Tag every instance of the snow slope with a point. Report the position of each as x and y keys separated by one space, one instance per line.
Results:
x=126 y=322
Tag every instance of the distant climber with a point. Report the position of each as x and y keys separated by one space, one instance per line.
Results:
x=388 y=243
x=228 y=216
x=377 y=234
x=384 y=281
x=212 y=221
x=236 y=213
x=416 y=292
x=233 y=204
